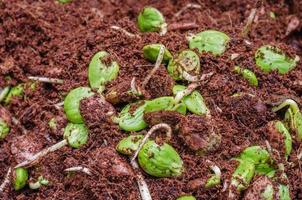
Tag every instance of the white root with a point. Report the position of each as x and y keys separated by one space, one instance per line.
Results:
x=42 y=153
x=191 y=87
x=189 y=5
x=6 y=180
x=249 y=23
x=79 y=169
x=214 y=168
x=152 y=130
x=157 y=65
x=131 y=35
x=4 y=92
x=46 y=80
x=134 y=89
x=189 y=77
x=185 y=92
x=142 y=185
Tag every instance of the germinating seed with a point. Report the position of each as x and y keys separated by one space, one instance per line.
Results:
x=101 y=71
x=4 y=129
x=20 y=178
x=151 y=20
x=76 y=135
x=151 y=52
x=72 y=103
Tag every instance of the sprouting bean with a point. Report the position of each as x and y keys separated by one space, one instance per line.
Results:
x=186 y=197
x=76 y=134
x=293 y=117
x=209 y=41
x=160 y=160
x=129 y=145
x=151 y=52
x=20 y=178
x=16 y=91
x=269 y=58
x=247 y=75
x=243 y=175
x=40 y=182
x=265 y=169
x=151 y=20
x=100 y=72
x=72 y=103
x=194 y=102
x=135 y=121
x=186 y=63
x=4 y=129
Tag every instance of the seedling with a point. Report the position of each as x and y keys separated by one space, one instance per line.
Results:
x=151 y=20
x=247 y=75
x=39 y=183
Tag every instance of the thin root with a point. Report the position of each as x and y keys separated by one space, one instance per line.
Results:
x=42 y=153
x=124 y=31
x=182 y=26
x=189 y=5
x=152 y=130
x=79 y=169
x=142 y=185
x=6 y=180
x=46 y=80
x=249 y=23
x=157 y=65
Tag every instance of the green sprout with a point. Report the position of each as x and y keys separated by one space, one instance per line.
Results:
x=272 y=15
x=293 y=117
x=194 y=101
x=247 y=75
x=160 y=160
x=132 y=122
x=186 y=66
x=151 y=52
x=39 y=183
x=269 y=58
x=215 y=179
x=255 y=154
x=72 y=103
x=76 y=135
x=4 y=129
x=100 y=71
x=151 y=20
x=211 y=41
x=129 y=145
x=20 y=178
x=284 y=193
x=16 y=91
x=186 y=197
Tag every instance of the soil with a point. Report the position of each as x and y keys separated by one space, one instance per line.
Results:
x=45 y=38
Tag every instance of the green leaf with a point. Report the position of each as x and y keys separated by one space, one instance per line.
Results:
x=72 y=103
x=270 y=58
x=211 y=41
x=100 y=72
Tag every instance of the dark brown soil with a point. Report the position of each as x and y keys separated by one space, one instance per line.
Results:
x=45 y=38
